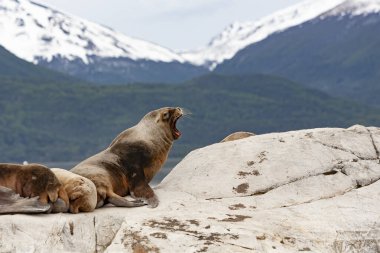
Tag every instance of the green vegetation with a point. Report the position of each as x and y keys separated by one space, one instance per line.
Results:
x=52 y=121
x=13 y=68
x=337 y=55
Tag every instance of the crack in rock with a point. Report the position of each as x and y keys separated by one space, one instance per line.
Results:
x=109 y=232
x=96 y=235
x=341 y=149
x=311 y=136
x=374 y=145
x=240 y=246
x=336 y=168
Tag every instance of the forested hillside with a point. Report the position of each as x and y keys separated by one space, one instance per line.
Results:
x=49 y=121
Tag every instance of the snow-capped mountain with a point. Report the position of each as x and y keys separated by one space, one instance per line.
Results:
x=338 y=53
x=33 y=32
x=239 y=35
x=84 y=49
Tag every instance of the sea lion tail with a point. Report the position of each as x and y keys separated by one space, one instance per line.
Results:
x=11 y=202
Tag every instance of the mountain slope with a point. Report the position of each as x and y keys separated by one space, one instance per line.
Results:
x=239 y=35
x=338 y=54
x=66 y=43
x=12 y=67
x=36 y=32
x=242 y=34
x=59 y=122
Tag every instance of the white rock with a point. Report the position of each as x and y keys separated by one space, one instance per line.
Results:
x=312 y=191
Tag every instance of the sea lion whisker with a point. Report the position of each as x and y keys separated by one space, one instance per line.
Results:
x=186 y=112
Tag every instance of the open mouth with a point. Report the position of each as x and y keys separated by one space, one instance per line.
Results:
x=176 y=133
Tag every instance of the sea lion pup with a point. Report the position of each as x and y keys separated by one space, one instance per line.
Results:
x=237 y=136
x=33 y=181
x=132 y=160
x=29 y=181
x=81 y=191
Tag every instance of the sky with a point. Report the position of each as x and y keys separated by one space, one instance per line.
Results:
x=175 y=24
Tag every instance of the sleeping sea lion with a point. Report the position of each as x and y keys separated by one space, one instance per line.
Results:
x=28 y=181
x=81 y=191
x=132 y=159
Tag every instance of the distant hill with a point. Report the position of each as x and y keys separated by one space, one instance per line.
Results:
x=339 y=55
x=59 y=122
x=12 y=67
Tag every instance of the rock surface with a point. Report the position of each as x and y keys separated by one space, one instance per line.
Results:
x=304 y=191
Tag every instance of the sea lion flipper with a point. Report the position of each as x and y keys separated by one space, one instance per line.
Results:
x=11 y=202
x=145 y=193
x=116 y=200
x=60 y=206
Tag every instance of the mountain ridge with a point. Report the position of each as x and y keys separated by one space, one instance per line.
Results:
x=239 y=35
x=54 y=33
x=338 y=55
x=77 y=40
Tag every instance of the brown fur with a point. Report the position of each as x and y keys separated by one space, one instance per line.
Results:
x=237 y=136
x=132 y=160
x=30 y=181
x=80 y=192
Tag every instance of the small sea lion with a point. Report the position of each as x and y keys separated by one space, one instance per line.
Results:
x=237 y=136
x=132 y=160
x=30 y=181
x=81 y=191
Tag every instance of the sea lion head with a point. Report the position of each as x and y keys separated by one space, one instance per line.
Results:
x=82 y=194
x=166 y=119
x=37 y=179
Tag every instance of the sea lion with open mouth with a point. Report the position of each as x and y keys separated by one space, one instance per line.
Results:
x=132 y=160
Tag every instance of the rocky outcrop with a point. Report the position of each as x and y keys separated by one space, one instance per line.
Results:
x=304 y=191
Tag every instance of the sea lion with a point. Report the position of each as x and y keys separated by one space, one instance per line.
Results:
x=133 y=159
x=30 y=181
x=81 y=191
x=237 y=136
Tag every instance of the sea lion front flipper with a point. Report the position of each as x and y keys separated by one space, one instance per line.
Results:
x=116 y=200
x=59 y=206
x=140 y=189
x=11 y=202
x=145 y=193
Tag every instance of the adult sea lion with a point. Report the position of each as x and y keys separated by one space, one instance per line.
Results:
x=132 y=160
x=28 y=181
x=81 y=191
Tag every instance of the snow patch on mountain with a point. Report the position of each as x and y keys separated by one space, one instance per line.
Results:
x=33 y=31
x=240 y=35
x=355 y=8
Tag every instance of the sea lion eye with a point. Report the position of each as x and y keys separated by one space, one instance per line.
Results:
x=166 y=116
